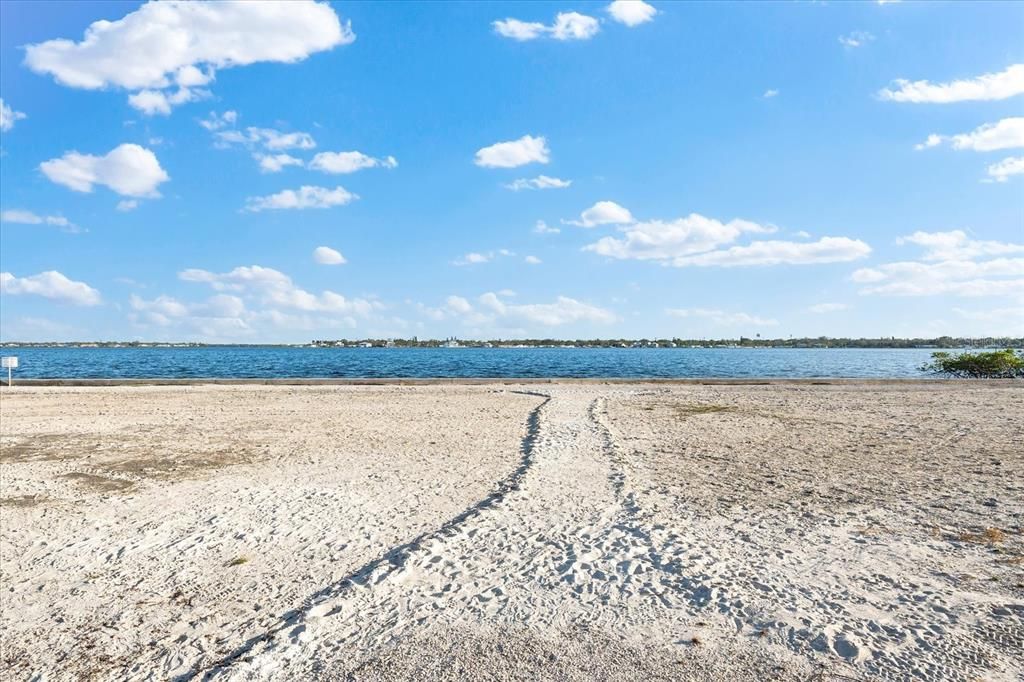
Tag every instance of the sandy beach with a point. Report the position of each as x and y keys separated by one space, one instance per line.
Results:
x=541 y=531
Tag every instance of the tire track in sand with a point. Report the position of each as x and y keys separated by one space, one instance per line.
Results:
x=378 y=570
x=547 y=556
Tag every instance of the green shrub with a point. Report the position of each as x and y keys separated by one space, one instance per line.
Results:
x=996 y=364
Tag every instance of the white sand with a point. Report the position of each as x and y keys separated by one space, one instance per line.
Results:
x=576 y=531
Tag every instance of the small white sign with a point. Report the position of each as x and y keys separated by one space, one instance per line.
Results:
x=9 y=362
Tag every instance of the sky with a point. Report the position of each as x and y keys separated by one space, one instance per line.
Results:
x=281 y=172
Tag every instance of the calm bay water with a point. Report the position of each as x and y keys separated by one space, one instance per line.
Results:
x=278 y=362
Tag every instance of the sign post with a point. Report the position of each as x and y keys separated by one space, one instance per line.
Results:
x=10 y=362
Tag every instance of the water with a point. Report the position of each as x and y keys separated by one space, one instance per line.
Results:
x=278 y=362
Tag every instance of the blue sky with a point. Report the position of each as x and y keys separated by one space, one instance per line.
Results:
x=703 y=169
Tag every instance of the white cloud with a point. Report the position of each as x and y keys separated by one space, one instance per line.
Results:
x=50 y=284
x=721 y=317
x=219 y=315
x=458 y=305
x=473 y=258
x=274 y=163
x=519 y=30
x=29 y=218
x=602 y=213
x=567 y=26
x=1001 y=172
x=151 y=102
x=325 y=255
x=956 y=245
x=543 y=228
x=631 y=12
x=276 y=289
x=217 y=121
x=159 y=310
x=949 y=265
x=306 y=196
x=539 y=182
x=166 y=45
x=659 y=240
x=822 y=308
x=574 y=26
x=349 y=162
x=8 y=116
x=128 y=169
x=855 y=39
x=532 y=260
x=268 y=138
x=825 y=250
x=768 y=94
x=989 y=86
x=477 y=258
x=527 y=149
x=126 y=205
x=1007 y=133
x=563 y=310
x=693 y=240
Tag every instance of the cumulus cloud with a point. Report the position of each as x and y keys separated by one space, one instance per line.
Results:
x=532 y=260
x=855 y=39
x=602 y=213
x=23 y=217
x=126 y=205
x=325 y=255
x=696 y=240
x=8 y=116
x=989 y=86
x=1007 y=133
x=128 y=169
x=543 y=228
x=721 y=318
x=151 y=102
x=951 y=264
x=661 y=240
x=822 y=308
x=476 y=258
x=52 y=285
x=274 y=163
x=956 y=245
x=221 y=315
x=306 y=196
x=163 y=51
x=275 y=289
x=539 y=182
x=1001 y=172
x=473 y=258
x=527 y=149
x=349 y=162
x=768 y=94
x=458 y=305
x=567 y=26
x=631 y=12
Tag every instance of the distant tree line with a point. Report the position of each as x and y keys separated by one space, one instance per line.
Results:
x=741 y=342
